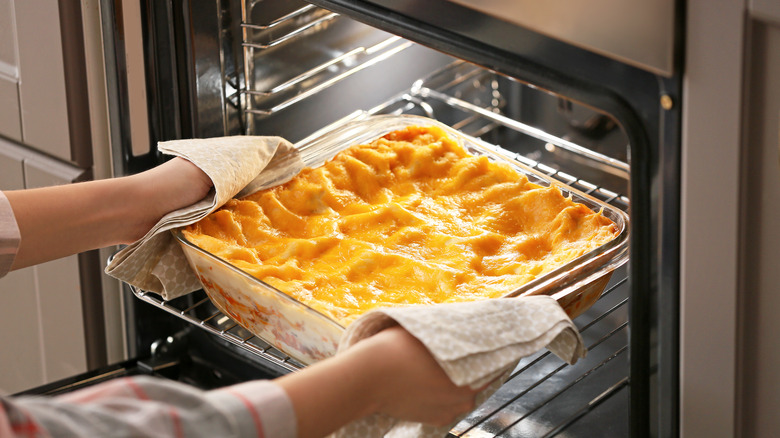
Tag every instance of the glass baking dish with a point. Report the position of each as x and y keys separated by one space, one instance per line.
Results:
x=307 y=335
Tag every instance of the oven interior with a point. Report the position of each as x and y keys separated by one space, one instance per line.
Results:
x=289 y=68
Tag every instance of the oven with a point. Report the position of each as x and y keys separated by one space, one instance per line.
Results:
x=608 y=125
x=591 y=95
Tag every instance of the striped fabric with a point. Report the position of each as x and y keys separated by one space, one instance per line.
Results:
x=144 y=406
x=9 y=235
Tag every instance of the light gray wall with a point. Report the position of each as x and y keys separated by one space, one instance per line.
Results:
x=760 y=268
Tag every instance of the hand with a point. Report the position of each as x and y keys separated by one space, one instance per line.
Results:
x=390 y=372
x=175 y=184
x=408 y=383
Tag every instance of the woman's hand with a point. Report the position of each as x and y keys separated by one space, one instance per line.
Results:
x=408 y=383
x=390 y=372
x=175 y=184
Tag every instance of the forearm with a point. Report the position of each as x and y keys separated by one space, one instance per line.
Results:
x=62 y=220
x=390 y=373
x=329 y=395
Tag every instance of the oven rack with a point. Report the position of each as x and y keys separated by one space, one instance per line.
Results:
x=544 y=396
x=277 y=79
x=197 y=309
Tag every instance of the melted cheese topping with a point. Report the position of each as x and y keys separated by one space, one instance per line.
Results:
x=411 y=218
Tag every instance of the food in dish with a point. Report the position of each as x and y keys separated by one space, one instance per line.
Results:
x=410 y=218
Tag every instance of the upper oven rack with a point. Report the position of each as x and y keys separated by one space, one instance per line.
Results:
x=294 y=68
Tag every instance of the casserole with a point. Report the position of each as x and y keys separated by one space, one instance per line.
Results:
x=309 y=335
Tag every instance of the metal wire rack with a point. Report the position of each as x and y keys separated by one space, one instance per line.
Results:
x=197 y=309
x=293 y=69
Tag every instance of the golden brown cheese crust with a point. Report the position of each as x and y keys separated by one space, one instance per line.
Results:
x=411 y=218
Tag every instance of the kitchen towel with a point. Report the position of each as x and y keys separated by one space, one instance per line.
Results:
x=238 y=166
x=476 y=343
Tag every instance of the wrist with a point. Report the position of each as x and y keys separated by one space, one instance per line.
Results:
x=332 y=393
x=138 y=205
x=168 y=187
x=371 y=375
x=377 y=362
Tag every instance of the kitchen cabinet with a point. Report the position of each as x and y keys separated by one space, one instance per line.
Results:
x=42 y=78
x=759 y=394
x=731 y=186
x=10 y=120
x=54 y=130
x=40 y=307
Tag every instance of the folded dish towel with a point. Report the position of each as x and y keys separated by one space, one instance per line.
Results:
x=476 y=343
x=238 y=166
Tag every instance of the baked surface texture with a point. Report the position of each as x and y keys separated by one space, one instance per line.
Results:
x=410 y=218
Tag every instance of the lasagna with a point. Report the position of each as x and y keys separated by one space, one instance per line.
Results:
x=410 y=218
